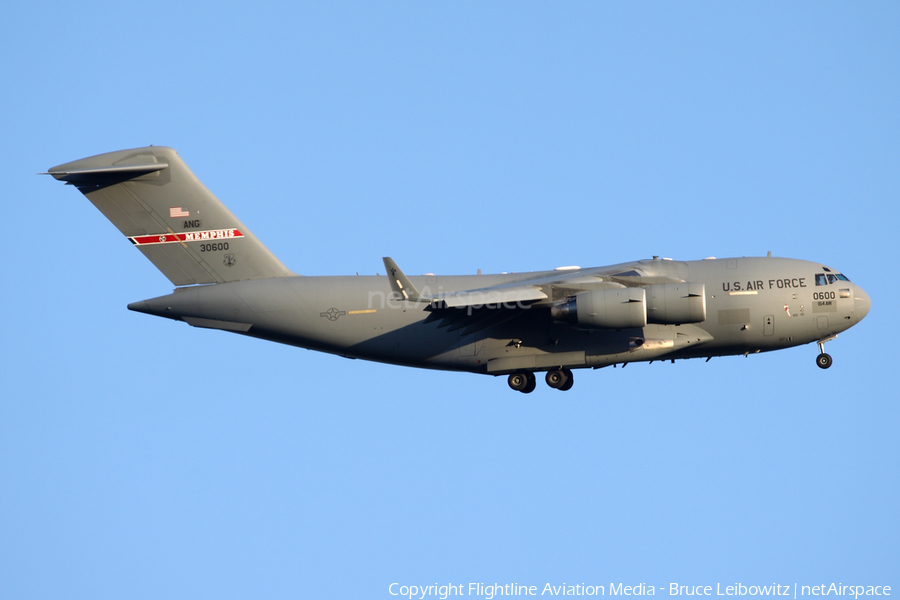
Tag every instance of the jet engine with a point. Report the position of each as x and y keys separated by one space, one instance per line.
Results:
x=617 y=308
x=621 y=308
x=676 y=303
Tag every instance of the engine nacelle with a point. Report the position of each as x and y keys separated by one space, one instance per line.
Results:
x=676 y=303
x=617 y=308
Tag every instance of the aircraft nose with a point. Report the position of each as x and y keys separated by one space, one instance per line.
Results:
x=861 y=303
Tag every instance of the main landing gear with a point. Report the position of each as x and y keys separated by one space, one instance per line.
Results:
x=823 y=360
x=560 y=379
x=522 y=382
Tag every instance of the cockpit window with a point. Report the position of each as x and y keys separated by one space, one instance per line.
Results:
x=829 y=278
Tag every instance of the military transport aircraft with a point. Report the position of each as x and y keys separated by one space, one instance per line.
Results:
x=513 y=324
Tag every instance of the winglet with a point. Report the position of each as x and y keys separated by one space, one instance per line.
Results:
x=400 y=283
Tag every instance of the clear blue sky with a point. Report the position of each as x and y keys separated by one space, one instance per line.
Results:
x=140 y=458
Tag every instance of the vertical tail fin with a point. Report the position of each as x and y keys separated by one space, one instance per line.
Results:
x=155 y=200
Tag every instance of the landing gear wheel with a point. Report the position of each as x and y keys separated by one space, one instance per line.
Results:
x=824 y=361
x=522 y=382
x=569 y=382
x=560 y=379
x=532 y=383
x=517 y=381
x=556 y=378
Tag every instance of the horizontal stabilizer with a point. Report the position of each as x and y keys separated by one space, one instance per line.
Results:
x=105 y=175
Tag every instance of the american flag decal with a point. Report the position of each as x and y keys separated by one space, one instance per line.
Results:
x=176 y=212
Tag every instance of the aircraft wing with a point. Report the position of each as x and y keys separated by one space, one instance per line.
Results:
x=500 y=296
x=506 y=295
x=610 y=300
x=475 y=309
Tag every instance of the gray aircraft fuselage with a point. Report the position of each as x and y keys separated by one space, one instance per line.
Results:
x=753 y=305
x=509 y=324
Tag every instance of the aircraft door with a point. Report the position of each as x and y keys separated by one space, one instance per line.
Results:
x=768 y=325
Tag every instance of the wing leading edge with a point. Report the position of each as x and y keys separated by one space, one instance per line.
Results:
x=500 y=296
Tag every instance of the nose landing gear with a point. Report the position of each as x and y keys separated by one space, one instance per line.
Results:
x=824 y=360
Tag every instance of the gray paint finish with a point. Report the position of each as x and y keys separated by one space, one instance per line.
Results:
x=516 y=324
